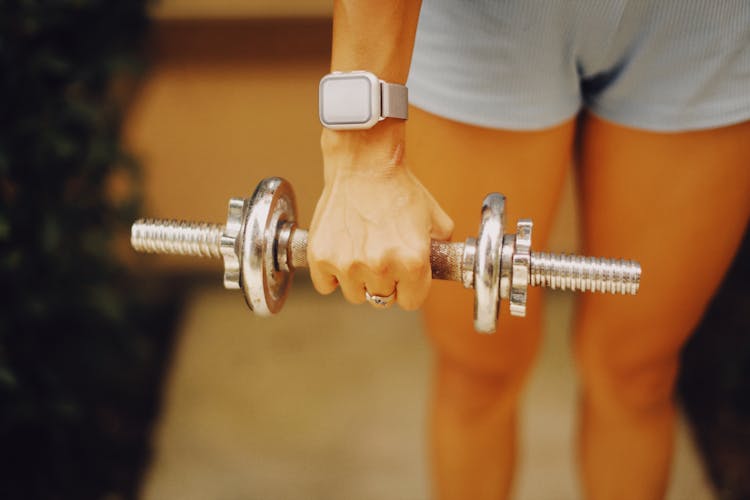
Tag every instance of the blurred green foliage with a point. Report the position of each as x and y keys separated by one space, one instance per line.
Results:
x=715 y=381
x=81 y=353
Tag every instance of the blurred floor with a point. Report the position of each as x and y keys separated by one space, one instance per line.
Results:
x=292 y=408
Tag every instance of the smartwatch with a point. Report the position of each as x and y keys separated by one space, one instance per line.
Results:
x=358 y=100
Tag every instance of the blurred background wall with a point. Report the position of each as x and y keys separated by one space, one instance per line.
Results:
x=230 y=100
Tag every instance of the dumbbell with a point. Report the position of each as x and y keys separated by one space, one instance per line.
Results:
x=261 y=246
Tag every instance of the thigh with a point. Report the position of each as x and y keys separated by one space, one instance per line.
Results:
x=459 y=164
x=677 y=202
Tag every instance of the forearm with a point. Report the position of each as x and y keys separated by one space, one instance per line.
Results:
x=376 y=36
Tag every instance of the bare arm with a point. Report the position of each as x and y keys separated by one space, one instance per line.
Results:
x=374 y=220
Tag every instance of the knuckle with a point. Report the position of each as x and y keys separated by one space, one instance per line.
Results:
x=414 y=297
x=349 y=268
x=317 y=257
x=379 y=267
x=378 y=261
x=323 y=286
x=449 y=225
x=415 y=265
x=353 y=294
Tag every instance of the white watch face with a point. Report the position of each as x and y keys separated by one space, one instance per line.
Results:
x=349 y=100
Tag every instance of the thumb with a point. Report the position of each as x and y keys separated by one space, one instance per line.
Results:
x=442 y=225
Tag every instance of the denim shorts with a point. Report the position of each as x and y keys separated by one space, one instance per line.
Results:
x=663 y=65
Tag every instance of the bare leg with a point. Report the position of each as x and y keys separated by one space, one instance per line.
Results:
x=679 y=203
x=479 y=377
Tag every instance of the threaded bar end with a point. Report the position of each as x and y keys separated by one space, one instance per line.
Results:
x=585 y=274
x=176 y=237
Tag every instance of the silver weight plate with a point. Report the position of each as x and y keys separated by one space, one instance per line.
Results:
x=487 y=263
x=264 y=285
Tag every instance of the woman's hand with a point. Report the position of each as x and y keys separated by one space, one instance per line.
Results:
x=374 y=220
x=373 y=223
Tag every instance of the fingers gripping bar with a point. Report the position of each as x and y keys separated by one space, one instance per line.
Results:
x=445 y=256
x=261 y=246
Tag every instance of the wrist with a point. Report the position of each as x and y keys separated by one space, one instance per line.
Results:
x=378 y=149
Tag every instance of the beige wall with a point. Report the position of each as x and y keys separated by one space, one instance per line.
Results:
x=225 y=104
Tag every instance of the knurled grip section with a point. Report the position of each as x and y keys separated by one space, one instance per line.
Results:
x=584 y=274
x=446 y=259
x=299 y=248
x=177 y=237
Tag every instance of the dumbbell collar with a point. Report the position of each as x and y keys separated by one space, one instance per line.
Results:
x=250 y=244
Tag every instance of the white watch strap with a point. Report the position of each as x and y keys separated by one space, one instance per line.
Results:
x=394 y=100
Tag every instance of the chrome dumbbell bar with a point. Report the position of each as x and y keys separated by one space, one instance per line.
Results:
x=261 y=246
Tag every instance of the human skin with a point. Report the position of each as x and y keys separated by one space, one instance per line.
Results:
x=678 y=203
x=374 y=220
x=479 y=378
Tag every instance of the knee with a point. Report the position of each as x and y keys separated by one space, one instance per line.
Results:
x=504 y=355
x=481 y=374
x=471 y=395
x=478 y=363
x=478 y=371
x=627 y=384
